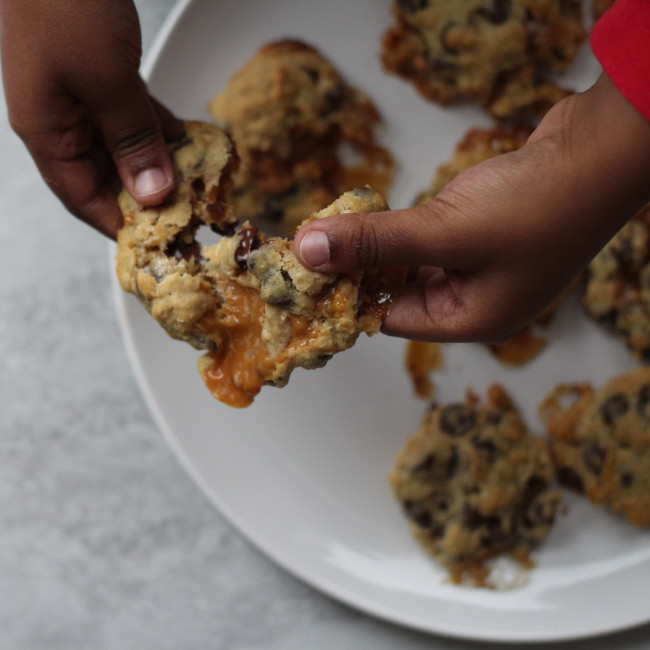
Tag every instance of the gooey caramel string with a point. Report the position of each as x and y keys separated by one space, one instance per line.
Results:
x=242 y=364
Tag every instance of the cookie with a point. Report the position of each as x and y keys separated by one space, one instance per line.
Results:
x=159 y=259
x=617 y=292
x=291 y=113
x=476 y=146
x=601 y=443
x=599 y=8
x=246 y=300
x=492 y=52
x=473 y=484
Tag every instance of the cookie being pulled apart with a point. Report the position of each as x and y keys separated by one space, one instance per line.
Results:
x=246 y=299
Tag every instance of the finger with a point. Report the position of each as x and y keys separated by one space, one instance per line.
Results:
x=450 y=306
x=439 y=316
x=73 y=161
x=441 y=233
x=133 y=131
x=85 y=192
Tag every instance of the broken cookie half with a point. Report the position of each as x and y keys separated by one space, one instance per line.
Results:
x=245 y=300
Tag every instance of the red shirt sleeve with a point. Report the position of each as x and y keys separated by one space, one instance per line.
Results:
x=621 y=42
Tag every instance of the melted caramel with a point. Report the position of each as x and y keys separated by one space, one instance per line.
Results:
x=521 y=348
x=231 y=372
x=422 y=359
x=236 y=372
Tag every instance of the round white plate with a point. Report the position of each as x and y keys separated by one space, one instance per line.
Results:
x=302 y=472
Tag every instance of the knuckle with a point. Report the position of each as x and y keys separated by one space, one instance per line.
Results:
x=136 y=143
x=366 y=248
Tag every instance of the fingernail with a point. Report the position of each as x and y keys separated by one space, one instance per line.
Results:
x=150 y=181
x=315 y=248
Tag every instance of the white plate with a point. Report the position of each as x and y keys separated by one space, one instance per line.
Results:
x=302 y=472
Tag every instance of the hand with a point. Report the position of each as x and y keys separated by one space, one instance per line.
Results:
x=506 y=236
x=75 y=97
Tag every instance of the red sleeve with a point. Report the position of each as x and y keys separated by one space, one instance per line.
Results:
x=621 y=42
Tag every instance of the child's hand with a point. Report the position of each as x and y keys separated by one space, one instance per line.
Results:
x=505 y=237
x=75 y=97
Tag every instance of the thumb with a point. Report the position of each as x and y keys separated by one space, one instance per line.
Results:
x=133 y=127
x=422 y=235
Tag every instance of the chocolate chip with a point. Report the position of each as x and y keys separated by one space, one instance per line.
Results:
x=218 y=211
x=485 y=444
x=411 y=6
x=287 y=279
x=472 y=517
x=570 y=478
x=198 y=187
x=495 y=536
x=613 y=407
x=457 y=419
x=312 y=73
x=416 y=513
x=594 y=457
x=424 y=466
x=623 y=250
x=274 y=292
x=249 y=242
x=333 y=99
x=452 y=463
x=534 y=487
x=437 y=531
x=496 y=11
x=494 y=417
x=643 y=399
x=536 y=515
x=627 y=479
x=184 y=250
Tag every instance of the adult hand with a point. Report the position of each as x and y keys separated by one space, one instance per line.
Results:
x=75 y=97
x=506 y=236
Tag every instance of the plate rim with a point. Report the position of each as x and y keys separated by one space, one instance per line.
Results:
x=319 y=583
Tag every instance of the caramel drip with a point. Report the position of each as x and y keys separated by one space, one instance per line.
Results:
x=422 y=359
x=236 y=372
x=521 y=348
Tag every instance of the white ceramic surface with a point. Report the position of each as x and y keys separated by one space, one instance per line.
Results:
x=302 y=472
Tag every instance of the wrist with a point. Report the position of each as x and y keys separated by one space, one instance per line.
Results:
x=601 y=148
x=621 y=137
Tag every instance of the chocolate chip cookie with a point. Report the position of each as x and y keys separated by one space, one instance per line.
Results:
x=291 y=114
x=495 y=53
x=473 y=483
x=476 y=146
x=618 y=285
x=601 y=443
x=246 y=300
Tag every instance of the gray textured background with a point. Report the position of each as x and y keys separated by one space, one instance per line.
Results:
x=104 y=541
